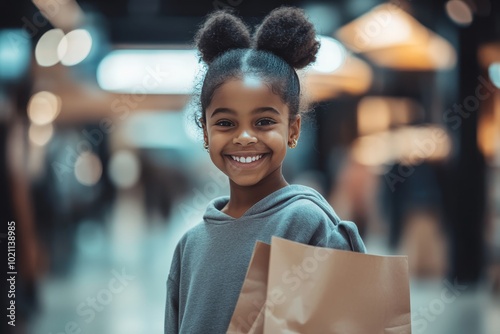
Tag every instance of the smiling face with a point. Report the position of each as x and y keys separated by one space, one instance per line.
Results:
x=248 y=130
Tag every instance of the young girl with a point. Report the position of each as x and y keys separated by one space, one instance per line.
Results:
x=249 y=115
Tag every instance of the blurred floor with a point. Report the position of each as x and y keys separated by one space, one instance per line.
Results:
x=121 y=269
x=129 y=249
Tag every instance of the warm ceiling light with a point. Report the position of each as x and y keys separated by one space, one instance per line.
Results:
x=373 y=150
x=408 y=145
x=353 y=77
x=379 y=113
x=435 y=54
x=427 y=142
x=384 y=26
x=459 y=12
x=392 y=38
x=374 y=115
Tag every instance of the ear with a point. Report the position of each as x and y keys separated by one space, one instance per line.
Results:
x=205 y=133
x=294 y=129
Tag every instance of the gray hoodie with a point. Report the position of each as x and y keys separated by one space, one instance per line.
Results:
x=210 y=261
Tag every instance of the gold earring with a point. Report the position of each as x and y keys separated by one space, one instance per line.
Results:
x=294 y=143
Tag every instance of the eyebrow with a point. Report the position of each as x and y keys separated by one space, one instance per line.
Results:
x=255 y=111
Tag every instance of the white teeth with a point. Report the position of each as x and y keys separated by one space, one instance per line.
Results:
x=246 y=160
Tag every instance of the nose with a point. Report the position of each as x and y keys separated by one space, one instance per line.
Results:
x=244 y=138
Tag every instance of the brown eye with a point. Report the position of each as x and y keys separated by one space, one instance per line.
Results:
x=223 y=123
x=266 y=121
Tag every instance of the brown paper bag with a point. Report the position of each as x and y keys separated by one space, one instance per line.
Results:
x=320 y=290
x=248 y=315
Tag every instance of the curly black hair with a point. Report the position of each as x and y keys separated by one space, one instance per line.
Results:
x=284 y=42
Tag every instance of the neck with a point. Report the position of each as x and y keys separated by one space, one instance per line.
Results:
x=244 y=197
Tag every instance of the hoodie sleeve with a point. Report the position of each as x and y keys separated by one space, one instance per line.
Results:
x=172 y=307
x=350 y=231
x=172 y=303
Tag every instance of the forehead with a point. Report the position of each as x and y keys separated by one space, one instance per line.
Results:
x=246 y=93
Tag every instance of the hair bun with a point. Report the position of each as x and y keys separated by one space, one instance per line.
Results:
x=222 y=31
x=288 y=33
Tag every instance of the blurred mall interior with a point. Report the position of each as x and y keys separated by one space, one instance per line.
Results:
x=103 y=168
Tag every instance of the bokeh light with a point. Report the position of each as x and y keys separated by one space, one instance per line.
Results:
x=151 y=71
x=373 y=150
x=44 y=107
x=15 y=53
x=40 y=135
x=494 y=73
x=331 y=55
x=124 y=169
x=374 y=115
x=459 y=12
x=408 y=145
x=88 y=169
x=46 y=50
x=74 y=47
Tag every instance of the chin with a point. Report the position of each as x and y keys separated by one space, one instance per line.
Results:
x=246 y=182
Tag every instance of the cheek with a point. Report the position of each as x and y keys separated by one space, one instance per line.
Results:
x=277 y=139
x=277 y=143
x=280 y=135
x=218 y=137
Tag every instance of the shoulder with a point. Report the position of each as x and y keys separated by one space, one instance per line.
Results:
x=329 y=230
x=183 y=246
x=306 y=209
x=310 y=204
x=190 y=236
